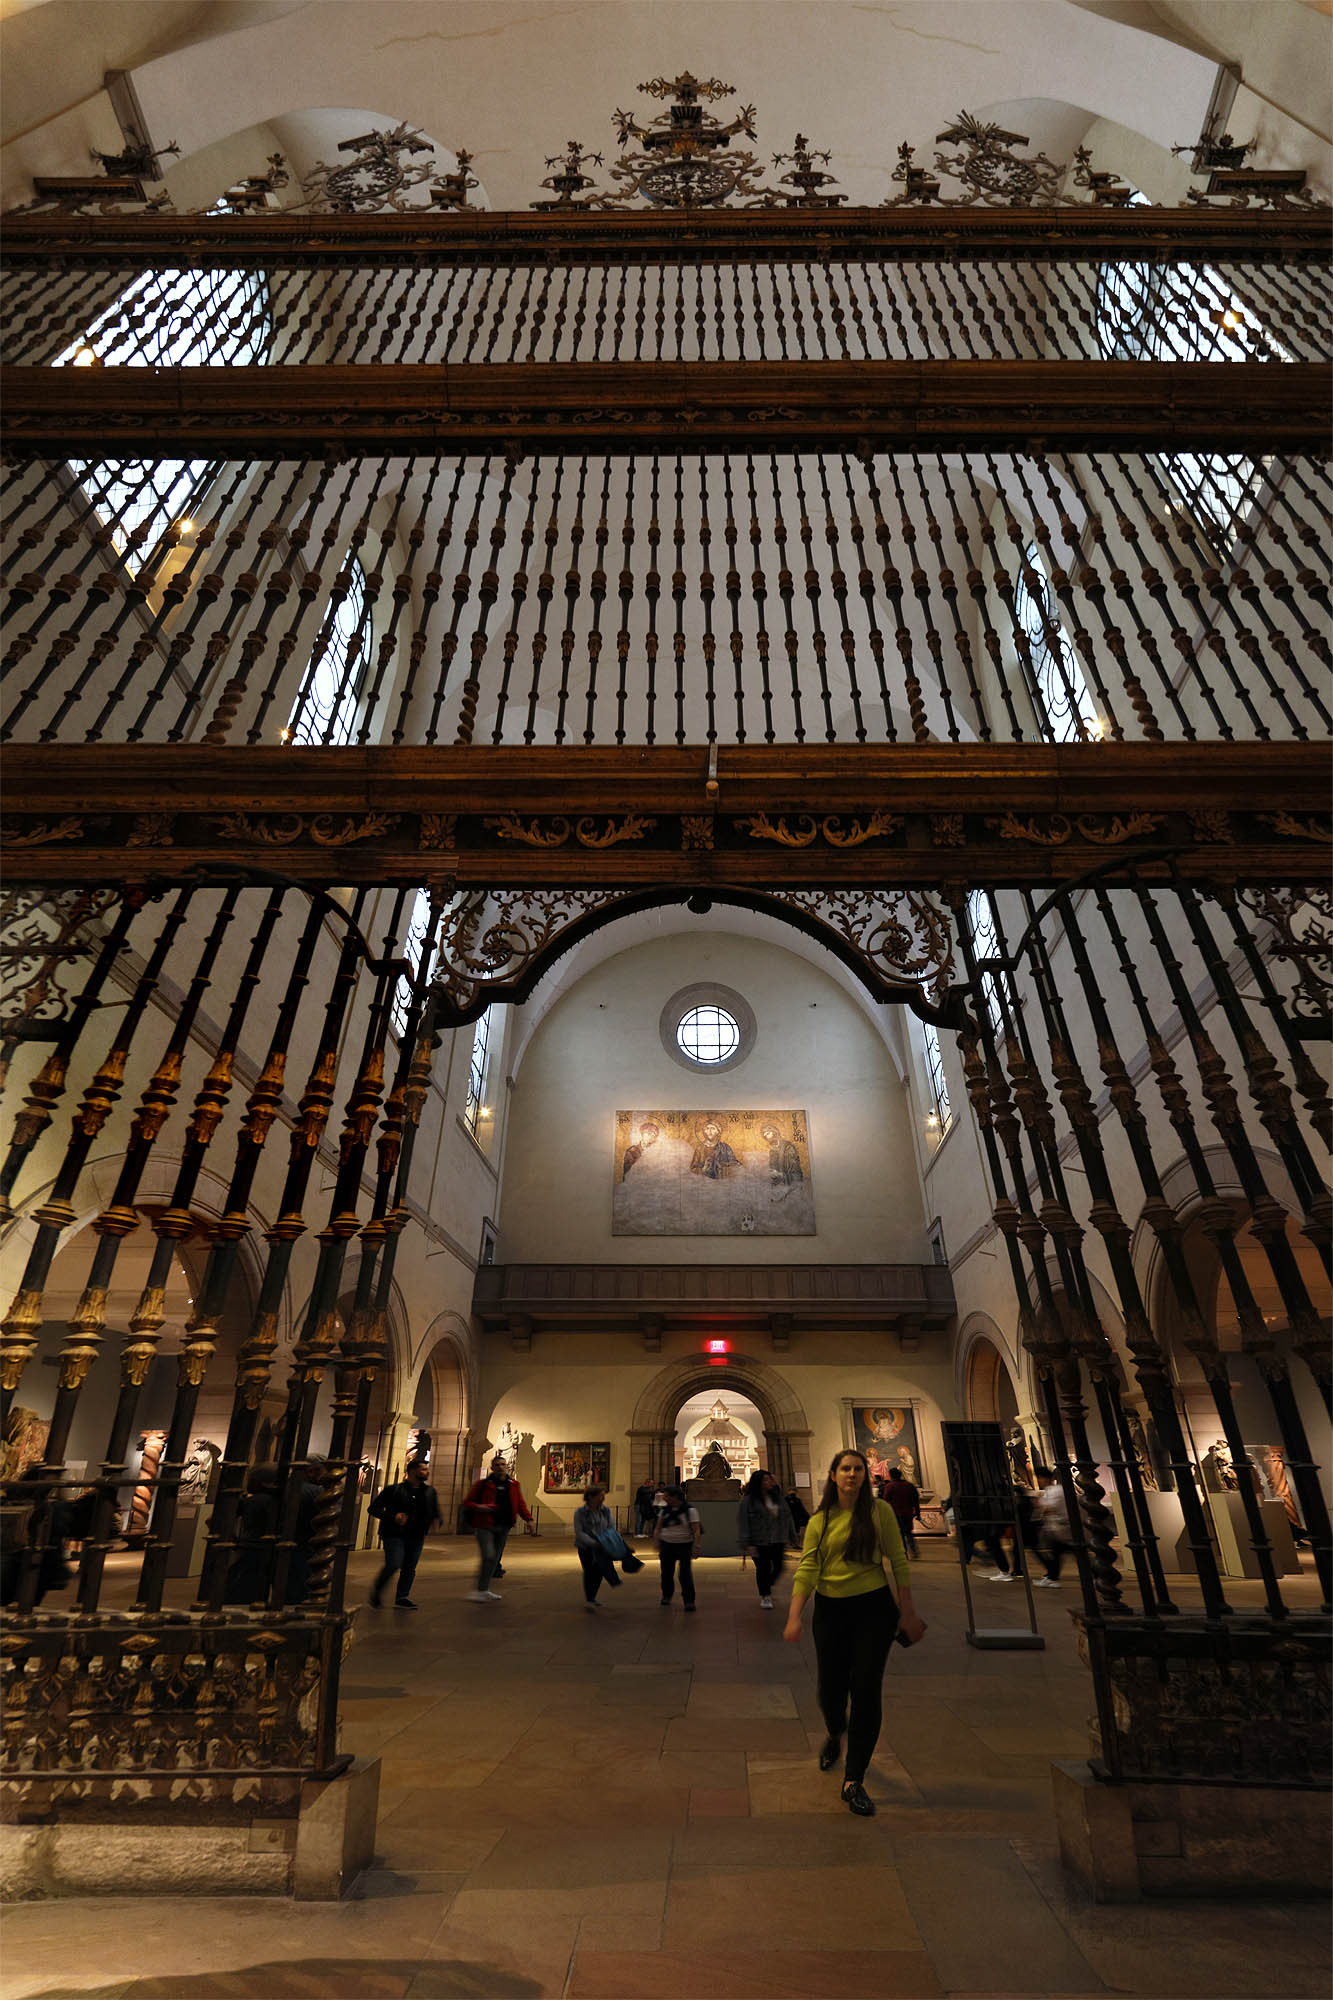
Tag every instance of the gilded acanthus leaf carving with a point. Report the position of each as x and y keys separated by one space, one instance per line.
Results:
x=803 y=830
x=1298 y=829
x=1103 y=830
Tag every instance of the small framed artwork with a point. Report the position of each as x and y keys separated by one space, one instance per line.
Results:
x=571 y=1467
x=887 y=1433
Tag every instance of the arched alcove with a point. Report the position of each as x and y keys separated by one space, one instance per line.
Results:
x=442 y=1404
x=652 y=1430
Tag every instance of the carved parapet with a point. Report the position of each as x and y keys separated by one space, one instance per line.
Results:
x=1248 y=1704
x=92 y=1707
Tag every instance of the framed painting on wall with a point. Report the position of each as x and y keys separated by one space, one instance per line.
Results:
x=887 y=1434
x=712 y=1173
x=571 y=1467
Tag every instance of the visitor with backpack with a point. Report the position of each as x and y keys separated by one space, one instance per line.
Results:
x=677 y=1536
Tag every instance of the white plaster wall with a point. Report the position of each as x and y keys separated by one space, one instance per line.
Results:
x=599 y=1051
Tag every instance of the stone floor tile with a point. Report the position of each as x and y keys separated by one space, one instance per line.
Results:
x=600 y=1867
x=526 y=1957
x=721 y=1913
x=751 y=1975
x=1034 y=1738
x=1012 y=1942
x=719 y=1802
x=750 y=1701
x=283 y=1979
x=689 y=1733
x=611 y=1932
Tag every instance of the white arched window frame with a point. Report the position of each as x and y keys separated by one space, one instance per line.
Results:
x=418 y=924
x=996 y=988
x=941 y=1109
x=166 y=319
x=476 y=1112
x=1066 y=712
x=329 y=698
x=1183 y=312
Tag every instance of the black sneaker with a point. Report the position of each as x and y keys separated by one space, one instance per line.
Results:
x=403 y=1604
x=858 y=1800
x=497 y=1572
x=829 y=1752
x=689 y=1607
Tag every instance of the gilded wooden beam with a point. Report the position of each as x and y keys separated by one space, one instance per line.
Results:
x=1081 y=232
x=659 y=820
x=641 y=406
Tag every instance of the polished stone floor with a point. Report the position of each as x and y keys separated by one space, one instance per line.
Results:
x=627 y=1804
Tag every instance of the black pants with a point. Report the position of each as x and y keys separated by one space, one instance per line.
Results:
x=768 y=1566
x=908 y=1534
x=852 y=1640
x=401 y=1554
x=673 y=1554
x=597 y=1565
x=990 y=1541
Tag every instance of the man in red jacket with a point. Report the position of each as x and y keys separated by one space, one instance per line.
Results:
x=494 y=1504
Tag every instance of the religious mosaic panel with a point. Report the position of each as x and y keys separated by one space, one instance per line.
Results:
x=887 y=1435
x=712 y=1173
x=571 y=1467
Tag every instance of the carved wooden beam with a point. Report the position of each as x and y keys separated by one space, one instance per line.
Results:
x=748 y=235
x=642 y=406
x=646 y=821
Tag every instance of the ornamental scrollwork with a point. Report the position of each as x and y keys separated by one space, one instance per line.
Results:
x=1103 y=830
x=490 y=940
x=42 y=832
x=804 y=830
x=904 y=936
x=558 y=831
x=151 y=830
x=1300 y=921
x=1298 y=829
x=383 y=168
x=45 y=936
x=1212 y=824
x=283 y=829
x=696 y=832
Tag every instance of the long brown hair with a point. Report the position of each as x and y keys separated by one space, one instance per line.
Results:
x=863 y=1541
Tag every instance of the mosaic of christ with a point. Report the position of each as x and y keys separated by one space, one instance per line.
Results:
x=712 y=1173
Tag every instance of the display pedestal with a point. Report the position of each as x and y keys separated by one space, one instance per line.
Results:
x=717 y=1522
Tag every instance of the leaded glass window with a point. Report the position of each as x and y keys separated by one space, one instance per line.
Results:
x=995 y=988
x=1184 y=312
x=166 y=319
x=418 y=924
x=939 y=1089
x=1066 y=712
x=476 y=1109
x=329 y=697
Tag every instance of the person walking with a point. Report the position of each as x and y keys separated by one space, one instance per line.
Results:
x=764 y=1531
x=406 y=1513
x=1053 y=1537
x=850 y=1538
x=643 y=1508
x=677 y=1538
x=493 y=1505
x=905 y=1500
x=800 y=1513
x=593 y=1529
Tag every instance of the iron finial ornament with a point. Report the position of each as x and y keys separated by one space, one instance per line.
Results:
x=569 y=184
x=991 y=172
x=137 y=159
x=451 y=190
x=676 y=165
x=806 y=178
x=382 y=171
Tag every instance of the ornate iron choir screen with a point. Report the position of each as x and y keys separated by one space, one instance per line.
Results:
x=810 y=559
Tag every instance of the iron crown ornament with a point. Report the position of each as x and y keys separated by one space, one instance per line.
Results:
x=677 y=164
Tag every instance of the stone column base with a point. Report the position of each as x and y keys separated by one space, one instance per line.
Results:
x=1122 y=1842
x=314 y=1857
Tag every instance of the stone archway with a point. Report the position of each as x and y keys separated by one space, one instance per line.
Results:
x=652 y=1431
x=440 y=1393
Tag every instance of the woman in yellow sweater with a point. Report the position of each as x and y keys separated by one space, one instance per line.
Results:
x=848 y=1541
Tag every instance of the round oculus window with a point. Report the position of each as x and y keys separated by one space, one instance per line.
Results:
x=707 y=1027
x=708 y=1035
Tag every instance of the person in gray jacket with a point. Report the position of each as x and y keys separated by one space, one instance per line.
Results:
x=764 y=1531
